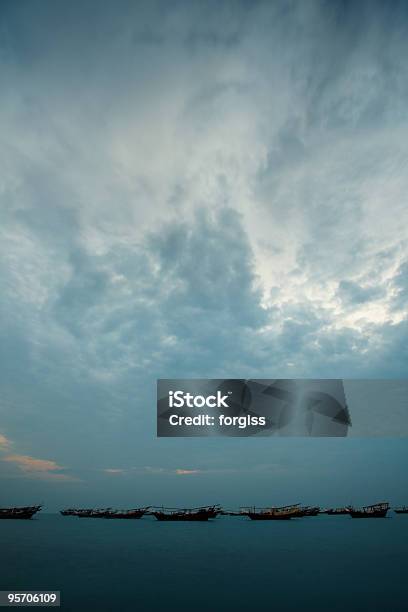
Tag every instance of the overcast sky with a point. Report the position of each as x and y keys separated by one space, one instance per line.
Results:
x=197 y=189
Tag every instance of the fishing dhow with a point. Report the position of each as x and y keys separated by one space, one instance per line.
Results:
x=282 y=513
x=22 y=512
x=308 y=511
x=108 y=513
x=202 y=513
x=205 y=513
x=337 y=511
x=374 y=511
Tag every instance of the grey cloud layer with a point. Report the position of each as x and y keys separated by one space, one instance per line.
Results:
x=191 y=189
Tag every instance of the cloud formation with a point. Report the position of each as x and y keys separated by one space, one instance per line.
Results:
x=4 y=443
x=151 y=470
x=263 y=199
x=39 y=468
x=32 y=467
x=30 y=464
x=195 y=190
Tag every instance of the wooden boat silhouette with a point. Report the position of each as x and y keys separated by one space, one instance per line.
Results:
x=108 y=513
x=22 y=512
x=282 y=513
x=308 y=511
x=134 y=513
x=401 y=510
x=202 y=513
x=85 y=512
x=336 y=511
x=374 y=511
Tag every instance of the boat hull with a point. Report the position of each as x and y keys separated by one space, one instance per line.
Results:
x=185 y=517
x=15 y=514
x=94 y=516
x=104 y=514
x=377 y=514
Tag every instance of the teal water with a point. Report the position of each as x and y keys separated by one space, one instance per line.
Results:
x=318 y=563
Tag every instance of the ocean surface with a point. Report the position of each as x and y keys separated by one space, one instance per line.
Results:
x=318 y=563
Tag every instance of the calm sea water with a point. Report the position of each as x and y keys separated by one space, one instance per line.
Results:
x=318 y=563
